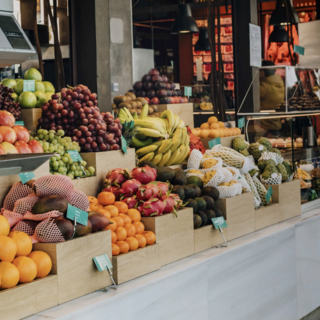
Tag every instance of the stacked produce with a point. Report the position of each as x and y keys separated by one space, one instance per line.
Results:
x=8 y=102
x=195 y=142
x=75 y=110
x=15 y=139
x=18 y=264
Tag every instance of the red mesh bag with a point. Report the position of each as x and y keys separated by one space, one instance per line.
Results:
x=54 y=184
x=47 y=232
x=17 y=191
x=22 y=206
x=43 y=216
x=12 y=217
x=26 y=226
x=80 y=200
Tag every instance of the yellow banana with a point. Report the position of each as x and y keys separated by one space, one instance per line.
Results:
x=148 y=157
x=137 y=143
x=144 y=111
x=168 y=114
x=182 y=149
x=181 y=124
x=129 y=115
x=176 y=140
x=176 y=122
x=151 y=133
x=158 y=143
x=165 y=146
x=185 y=154
x=143 y=151
x=157 y=158
x=183 y=135
x=146 y=123
x=166 y=157
x=175 y=156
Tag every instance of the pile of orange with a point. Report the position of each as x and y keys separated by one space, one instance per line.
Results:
x=17 y=263
x=127 y=230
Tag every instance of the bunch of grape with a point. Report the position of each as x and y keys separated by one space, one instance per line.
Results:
x=55 y=142
x=7 y=102
x=76 y=112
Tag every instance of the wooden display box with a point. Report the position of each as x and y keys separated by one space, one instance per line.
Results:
x=208 y=237
x=183 y=110
x=29 y=298
x=134 y=264
x=30 y=118
x=239 y=214
x=91 y=186
x=174 y=235
x=74 y=266
x=225 y=142
x=267 y=216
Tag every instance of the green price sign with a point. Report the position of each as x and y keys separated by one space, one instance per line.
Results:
x=187 y=91
x=219 y=223
x=241 y=123
x=214 y=142
x=269 y=194
x=298 y=49
x=75 y=213
x=19 y=123
x=124 y=144
x=26 y=176
x=314 y=195
x=75 y=155
x=29 y=85
x=103 y=262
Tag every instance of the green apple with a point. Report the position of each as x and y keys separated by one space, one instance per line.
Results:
x=39 y=86
x=27 y=99
x=18 y=88
x=10 y=83
x=49 y=87
x=33 y=74
x=49 y=94
x=14 y=96
x=41 y=98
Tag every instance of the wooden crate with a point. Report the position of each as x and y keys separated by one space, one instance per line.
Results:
x=183 y=110
x=134 y=264
x=30 y=118
x=173 y=234
x=225 y=142
x=91 y=186
x=29 y=298
x=239 y=214
x=208 y=237
x=267 y=216
x=74 y=266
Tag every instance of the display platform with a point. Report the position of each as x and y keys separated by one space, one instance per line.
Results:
x=271 y=274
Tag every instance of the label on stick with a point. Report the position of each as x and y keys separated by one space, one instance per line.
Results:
x=80 y=215
x=219 y=222
x=269 y=194
x=103 y=262
x=124 y=144
x=29 y=85
x=26 y=176
x=75 y=155
x=241 y=123
x=214 y=142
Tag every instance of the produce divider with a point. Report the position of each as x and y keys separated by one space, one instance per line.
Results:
x=30 y=118
x=225 y=141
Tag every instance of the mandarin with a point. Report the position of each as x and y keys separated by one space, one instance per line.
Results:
x=115 y=249
x=4 y=226
x=204 y=126
x=105 y=212
x=125 y=218
x=114 y=237
x=221 y=124
x=204 y=133
x=212 y=120
x=133 y=243
x=27 y=269
x=121 y=233
x=134 y=214
x=93 y=199
x=106 y=198
x=113 y=210
x=150 y=237
x=122 y=207
x=131 y=230
x=23 y=242
x=142 y=240
x=8 y=249
x=9 y=275
x=95 y=206
x=123 y=246
x=119 y=221
x=139 y=226
x=112 y=226
x=43 y=262
x=214 y=126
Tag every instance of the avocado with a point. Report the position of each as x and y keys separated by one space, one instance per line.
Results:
x=203 y=217
x=202 y=205
x=218 y=212
x=211 y=192
x=209 y=201
x=147 y=163
x=82 y=230
x=165 y=174
x=196 y=189
x=179 y=191
x=210 y=215
x=188 y=192
x=196 y=221
x=192 y=204
x=195 y=180
x=180 y=177
x=50 y=203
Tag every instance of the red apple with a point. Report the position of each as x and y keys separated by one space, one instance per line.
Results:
x=147 y=99
x=176 y=99
x=9 y=134
x=7 y=119
x=172 y=100
x=22 y=133
x=154 y=100
x=35 y=146
x=9 y=148
x=22 y=147
x=2 y=150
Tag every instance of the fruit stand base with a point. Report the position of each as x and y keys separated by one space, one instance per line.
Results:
x=267 y=216
x=30 y=118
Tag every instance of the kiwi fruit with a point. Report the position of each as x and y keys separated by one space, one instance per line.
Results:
x=118 y=99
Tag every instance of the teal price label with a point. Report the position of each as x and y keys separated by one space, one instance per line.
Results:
x=241 y=123
x=187 y=91
x=19 y=123
x=103 y=262
x=29 y=85
x=298 y=49
x=219 y=223
x=124 y=144
x=75 y=155
x=269 y=194
x=75 y=213
x=26 y=176
x=314 y=195
x=214 y=142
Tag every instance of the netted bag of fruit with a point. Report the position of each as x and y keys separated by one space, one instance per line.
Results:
x=12 y=217
x=227 y=175
x=276 y=178
x=209 y=164
x=194 y=172
x=43 y=216
x=230 y=191
x=290 y=178
x=213 y=178
x=241 y=179
x=54 y=184
x=252 y=187
x=47 y=231
x=26 y=226
x=229 y=157
x=194 y=160
x=261 y=190
x=80 y=200
x=22 y=206
x=17 y=191
x=248 y=165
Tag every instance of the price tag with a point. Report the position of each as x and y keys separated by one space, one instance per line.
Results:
x=29 y=85
x=269 y=194
x=19 y=123
x=314 y=195
x=298 y=49
x=26 y=176
x=214 y=142
x=187 y=91
x=241 y=123
x=75 y=213
x=75 y=155
x=103 y=262
x=124 y=144
x=219 y=223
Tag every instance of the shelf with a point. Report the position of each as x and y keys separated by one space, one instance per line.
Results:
x=270 y=115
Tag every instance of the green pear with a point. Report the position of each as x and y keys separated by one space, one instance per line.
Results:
x=33 y=74
x=14 y=96
x=18 y=80
x=10 y=83
x=27 y=100
x=39 y=86
x=18 y=88
x=48 y=86
x=41 y=98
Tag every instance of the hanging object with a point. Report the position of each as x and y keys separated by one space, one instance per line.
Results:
x=282 y=17
x=279 y=34
x=184 y=22
x=203 y=42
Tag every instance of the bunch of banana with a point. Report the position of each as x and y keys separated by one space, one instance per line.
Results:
x=126 y=116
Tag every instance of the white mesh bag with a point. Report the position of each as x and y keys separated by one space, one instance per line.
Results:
x=194 y=159
x=234 y=172
x=244 y=183
x=247 y=166
x=229 y=191
x=252 y=187
x=227 y=175
x=215 y=167
x=261 y=190
x=190 y=174
x=230 y=157
x=269 y=156
x=276 y=178
x=290 y=178
x=256 y=203
x=216 y=179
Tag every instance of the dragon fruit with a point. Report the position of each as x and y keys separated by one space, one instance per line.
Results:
x=147 y=192
x=131 y=202
x=177 y=200
x=144 y=174
x=164 y=188
x=151 y=208
x=114 y=190
x=170 y=205
x=116 y=177
x=130 y=188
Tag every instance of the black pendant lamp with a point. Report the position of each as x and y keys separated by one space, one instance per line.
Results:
x=203 y=42
x=279 y=34
x=184 y=23
x=279 y=15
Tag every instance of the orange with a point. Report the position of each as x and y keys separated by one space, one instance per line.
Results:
x=221 y=133
x=43 y=262
x=93 y=200
x=121 y=233
x=214 y=126
x=23 y=242
x=212 y=120
x=125 y=218
x=4 y=226
x=122 y=207
x=8 y=249
x=213 y=133
x=114 y=237
x=112 y=226
x=131 y=230
x=134 y=214
x=119 y=221
x=204 y=133
x=113 y=210
x=115 y=249
x=150 y=237
x=105 y=212
x=133 y=243
x=95 y=207
x=142 y=240
x=9 y=275
x=221 y=124
x=123 y=246
x=106 y=198
x=204 y=126
x=27 y=269
x=139 y=227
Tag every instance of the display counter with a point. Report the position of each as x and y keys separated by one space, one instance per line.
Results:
x=269 y=274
